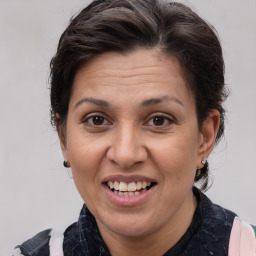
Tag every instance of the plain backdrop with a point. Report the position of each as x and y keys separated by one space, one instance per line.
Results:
x=35 y=190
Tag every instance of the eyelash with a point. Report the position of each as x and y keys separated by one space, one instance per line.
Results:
x=166 y=119
x=90 y=118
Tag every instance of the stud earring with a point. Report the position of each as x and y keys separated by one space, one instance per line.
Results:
x=66 y=164
x=204 y=161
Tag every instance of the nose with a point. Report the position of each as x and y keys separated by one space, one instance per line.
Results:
x=127 y=147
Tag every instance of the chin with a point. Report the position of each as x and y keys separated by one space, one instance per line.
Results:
x=128 y=226
x=132 y=232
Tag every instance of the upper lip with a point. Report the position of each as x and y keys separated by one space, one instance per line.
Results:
x=127 y=179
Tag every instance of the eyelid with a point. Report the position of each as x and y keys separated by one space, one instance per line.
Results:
x=94 y=114
x=160 y=114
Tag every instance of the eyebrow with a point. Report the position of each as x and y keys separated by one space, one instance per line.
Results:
x=100 y=103
x=145 y=103
x=155 y=101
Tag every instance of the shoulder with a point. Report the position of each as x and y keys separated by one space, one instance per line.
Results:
x=213 y=213
x=37 y=245
x=242 y=238
x=215 y=226
x=222 y=232
x=42 y=244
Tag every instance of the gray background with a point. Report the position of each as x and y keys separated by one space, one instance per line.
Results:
x=35 y=190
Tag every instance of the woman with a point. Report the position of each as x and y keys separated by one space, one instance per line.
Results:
x=136 y=93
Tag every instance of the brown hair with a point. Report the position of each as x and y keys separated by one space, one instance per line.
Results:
x=125 y=25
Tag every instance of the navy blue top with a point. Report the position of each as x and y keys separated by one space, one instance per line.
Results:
x=208 y=234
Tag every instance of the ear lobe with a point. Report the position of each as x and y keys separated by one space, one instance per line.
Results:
x=63 y=145
x=209 y=131
x=62 y=141
x=61 y=135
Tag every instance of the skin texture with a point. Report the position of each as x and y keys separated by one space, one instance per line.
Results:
x=127 y=140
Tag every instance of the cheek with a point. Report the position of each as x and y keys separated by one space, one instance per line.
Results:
x=85 y=156
x=85 y=166
x=176 y=156
x=85 y=159
x=84 y=150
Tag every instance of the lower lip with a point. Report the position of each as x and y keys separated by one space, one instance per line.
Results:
x=128 y=200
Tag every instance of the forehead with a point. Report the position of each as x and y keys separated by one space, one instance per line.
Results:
x=134 y=63
x=142 y=72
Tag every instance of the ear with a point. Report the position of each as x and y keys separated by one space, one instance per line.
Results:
x=209 y=132
x=61 y=133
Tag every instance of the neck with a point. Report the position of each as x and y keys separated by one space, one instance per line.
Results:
x=154 y=243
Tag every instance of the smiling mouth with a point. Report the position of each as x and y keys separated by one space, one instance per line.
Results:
x=134 y=188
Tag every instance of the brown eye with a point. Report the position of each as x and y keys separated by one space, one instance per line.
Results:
x=158 y=120
x=96 y=120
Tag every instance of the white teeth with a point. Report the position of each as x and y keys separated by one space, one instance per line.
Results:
x=131 y=186
x=138 y=185
x=110 y=184
x=144 y=184
x=123 y=186
x=128 y=189
x=116 y=185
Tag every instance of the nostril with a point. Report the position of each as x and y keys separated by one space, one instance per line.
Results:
x=126 y=157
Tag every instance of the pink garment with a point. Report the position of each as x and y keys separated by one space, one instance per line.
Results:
x=242 y=239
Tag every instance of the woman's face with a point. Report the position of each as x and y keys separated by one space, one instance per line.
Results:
x=133 y=142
